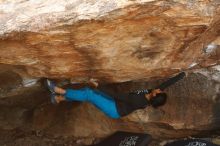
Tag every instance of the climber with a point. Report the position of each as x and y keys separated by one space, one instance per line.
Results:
x=118 y=104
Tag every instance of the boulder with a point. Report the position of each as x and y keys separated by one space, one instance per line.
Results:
x=192 y=109
x=112 y=41
x=122 y=44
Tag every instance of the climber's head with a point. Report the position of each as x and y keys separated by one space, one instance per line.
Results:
x=157 y=98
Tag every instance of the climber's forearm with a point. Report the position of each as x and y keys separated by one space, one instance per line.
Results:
x=172 y=81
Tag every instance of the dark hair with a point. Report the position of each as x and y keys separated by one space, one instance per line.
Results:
x=158 y=100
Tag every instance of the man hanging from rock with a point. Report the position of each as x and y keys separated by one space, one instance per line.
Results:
x=117 y=105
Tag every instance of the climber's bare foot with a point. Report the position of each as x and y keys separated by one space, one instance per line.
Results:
x=59 y=98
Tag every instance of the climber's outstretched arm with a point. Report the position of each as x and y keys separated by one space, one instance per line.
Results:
x=171 y=81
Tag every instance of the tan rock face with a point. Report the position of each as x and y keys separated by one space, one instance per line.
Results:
x=141 y=40
x=112 y=41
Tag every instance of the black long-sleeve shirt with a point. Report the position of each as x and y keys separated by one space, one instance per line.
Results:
x=129 y=102
x=171 y=81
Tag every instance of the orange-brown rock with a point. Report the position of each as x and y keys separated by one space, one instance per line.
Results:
x=109 y=41
x=112 y=41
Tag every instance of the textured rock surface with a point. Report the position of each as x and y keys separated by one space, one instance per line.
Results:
x=192 y=109
x=112 y=41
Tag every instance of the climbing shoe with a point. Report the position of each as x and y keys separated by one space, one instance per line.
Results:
x=51 y=85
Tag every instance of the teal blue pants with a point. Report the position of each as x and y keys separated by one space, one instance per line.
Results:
x=99 y=99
